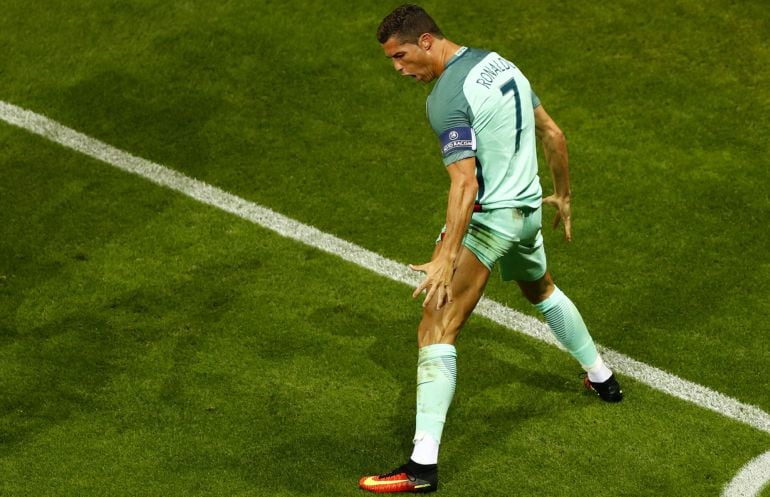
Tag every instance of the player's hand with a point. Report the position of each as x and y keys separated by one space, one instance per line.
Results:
x=437 y=282
x=563 y=213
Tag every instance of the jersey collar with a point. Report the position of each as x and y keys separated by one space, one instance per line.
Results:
x=459 y=53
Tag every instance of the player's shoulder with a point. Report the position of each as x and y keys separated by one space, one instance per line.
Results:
x=448 y=100
x=491 y=72
x=471 y=64
x=466 y=59
x=476 y=56
x=457 y=70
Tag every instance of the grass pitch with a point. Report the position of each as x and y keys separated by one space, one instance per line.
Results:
x=153 y=346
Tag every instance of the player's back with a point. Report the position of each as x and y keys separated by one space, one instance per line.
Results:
x=492 y=95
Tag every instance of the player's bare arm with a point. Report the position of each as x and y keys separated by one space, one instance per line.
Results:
x=439 y=271
x=555 y=152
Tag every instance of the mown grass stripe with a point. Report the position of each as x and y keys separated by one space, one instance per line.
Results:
x=287 y=227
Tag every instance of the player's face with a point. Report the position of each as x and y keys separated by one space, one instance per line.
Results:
x=410 y=59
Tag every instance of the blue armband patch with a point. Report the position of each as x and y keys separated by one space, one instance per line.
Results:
x=456 y=139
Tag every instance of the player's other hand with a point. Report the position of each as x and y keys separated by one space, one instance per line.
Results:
x=563 y=213
x=437 y=282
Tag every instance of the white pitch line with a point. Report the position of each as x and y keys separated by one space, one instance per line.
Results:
x=308 y=235
x=752 y=478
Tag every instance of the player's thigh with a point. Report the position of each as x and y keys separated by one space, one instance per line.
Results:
x=525 y=260
x=443 y=325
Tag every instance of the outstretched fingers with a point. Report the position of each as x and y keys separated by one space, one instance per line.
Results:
x=433 y=286
x=563 y=213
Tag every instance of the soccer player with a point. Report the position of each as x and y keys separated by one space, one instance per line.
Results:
x=487 y=119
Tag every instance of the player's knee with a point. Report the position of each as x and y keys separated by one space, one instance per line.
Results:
x=431 y=332
x=538 y=290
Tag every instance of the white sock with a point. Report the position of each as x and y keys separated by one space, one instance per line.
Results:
x=598 y=372
x=425 y=449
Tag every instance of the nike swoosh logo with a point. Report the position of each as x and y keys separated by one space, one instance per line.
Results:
x=371 y=482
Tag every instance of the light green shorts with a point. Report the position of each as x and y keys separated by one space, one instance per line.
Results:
x=511 y=237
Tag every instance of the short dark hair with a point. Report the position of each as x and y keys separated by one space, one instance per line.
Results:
x=407 y=23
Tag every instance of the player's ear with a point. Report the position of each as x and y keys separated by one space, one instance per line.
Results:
x=426 y=41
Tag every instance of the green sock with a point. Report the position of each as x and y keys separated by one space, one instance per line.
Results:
x=568 y=326
x=436 y=379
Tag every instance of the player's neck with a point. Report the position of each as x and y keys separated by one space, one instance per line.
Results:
x=446 y=49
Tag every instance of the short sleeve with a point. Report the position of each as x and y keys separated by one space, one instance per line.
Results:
x=457 y=143
x=535 y=100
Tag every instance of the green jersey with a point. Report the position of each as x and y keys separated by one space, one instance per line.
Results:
x=482 y=106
